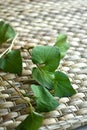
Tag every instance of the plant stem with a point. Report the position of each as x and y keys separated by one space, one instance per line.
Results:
x=19 y=93
x=9 y=48
x=4 y=52
x=29 y=52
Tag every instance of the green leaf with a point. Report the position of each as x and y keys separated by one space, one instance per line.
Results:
x=62 y=85
x=46 y=56
x=45 y=101
x=11 y=62
x=32 y=122
x=62 y=43
x=6 y=32
x=43 y=77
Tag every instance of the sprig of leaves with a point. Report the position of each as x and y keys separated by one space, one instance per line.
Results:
x=46 y=74
x=47 y=59
x=10 y=60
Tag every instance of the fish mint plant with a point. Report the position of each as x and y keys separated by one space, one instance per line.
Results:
x=48 y=81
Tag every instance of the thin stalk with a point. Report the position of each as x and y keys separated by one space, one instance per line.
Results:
x=29 y=52
x=9 y=48
x=4 y=52
x=19 y=93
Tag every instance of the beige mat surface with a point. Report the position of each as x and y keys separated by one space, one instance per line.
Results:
x=39 y=22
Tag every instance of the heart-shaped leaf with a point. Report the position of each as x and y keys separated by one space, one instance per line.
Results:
x=62 y=43
x=43 y=77
x=6 y=32
x=63 y=87
x=32 y=122
x=46 y=56
x=11 y=62
x=45 y=101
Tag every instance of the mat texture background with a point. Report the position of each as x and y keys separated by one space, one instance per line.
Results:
x=39 y=22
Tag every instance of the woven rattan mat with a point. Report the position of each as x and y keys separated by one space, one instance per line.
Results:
x=39 y=22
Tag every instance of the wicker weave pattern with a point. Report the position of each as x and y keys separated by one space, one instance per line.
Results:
x=39 y=22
